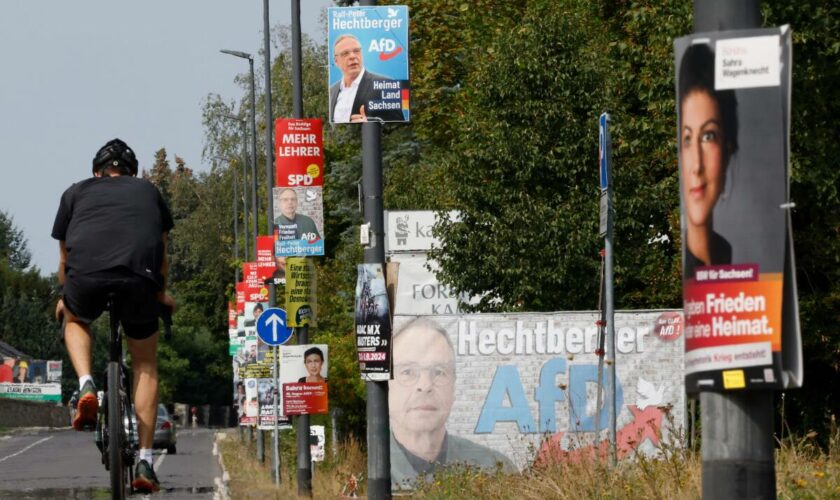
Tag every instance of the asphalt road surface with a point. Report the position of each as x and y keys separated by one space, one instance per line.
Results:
x=38 y=464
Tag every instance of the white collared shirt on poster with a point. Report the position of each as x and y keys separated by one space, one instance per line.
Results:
x=344 y=101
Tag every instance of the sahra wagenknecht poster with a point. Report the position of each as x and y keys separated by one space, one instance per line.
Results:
x=368 y=61
x=733 y=100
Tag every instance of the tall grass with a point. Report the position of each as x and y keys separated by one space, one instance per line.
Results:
x=803 y=470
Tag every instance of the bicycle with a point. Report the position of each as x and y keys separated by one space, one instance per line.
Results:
x=114 y=426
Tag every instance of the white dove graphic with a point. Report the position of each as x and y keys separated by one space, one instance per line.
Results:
x=648 y=395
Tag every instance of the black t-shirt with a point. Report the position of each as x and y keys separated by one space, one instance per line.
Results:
x=113 y=222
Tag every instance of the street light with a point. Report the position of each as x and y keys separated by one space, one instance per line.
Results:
x=243 y=125
x=254 y=201
x=236 y=217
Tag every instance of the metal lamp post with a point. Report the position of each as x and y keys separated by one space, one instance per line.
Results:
x=254 y=201
x=236 y=215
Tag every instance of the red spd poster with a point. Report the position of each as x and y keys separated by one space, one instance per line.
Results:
x=299 y=152
x=255 y=289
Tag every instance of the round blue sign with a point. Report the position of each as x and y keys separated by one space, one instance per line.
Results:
x=271 y=327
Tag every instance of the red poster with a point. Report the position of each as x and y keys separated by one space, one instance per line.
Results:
x=299 y=150
x=240 y=297
x=305 y=398
x=231 y=315
x=265 y=257
x=255 y=289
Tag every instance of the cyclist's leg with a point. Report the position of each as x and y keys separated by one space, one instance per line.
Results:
x=145 y=390
x=139 y=316
x=79 y=344
x=83 y=302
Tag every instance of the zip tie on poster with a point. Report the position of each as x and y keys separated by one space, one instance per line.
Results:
x=787 y=206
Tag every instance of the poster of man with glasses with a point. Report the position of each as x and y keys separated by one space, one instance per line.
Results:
x=368 y=52
x=420 y=398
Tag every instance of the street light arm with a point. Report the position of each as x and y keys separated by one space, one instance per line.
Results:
x=243 y=55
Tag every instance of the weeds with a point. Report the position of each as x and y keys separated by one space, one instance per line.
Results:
x=674 y=471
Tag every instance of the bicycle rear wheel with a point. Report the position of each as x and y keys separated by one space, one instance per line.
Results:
x=115 y=432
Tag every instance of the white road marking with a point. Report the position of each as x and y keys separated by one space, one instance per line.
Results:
x=30 y=446
x=160 y=460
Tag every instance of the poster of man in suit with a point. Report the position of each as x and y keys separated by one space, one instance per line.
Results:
x=368 y=52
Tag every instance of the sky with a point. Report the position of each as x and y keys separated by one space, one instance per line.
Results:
x=74 y=75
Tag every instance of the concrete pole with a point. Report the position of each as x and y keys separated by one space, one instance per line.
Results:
x=269 y=184
x=255 y=209
x=736 y=427
x=304 y=455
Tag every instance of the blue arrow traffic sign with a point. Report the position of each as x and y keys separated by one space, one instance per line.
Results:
x=271 y=327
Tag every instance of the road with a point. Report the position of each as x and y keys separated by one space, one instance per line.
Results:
x=40 y=464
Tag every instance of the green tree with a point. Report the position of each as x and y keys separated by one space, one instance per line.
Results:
x=13 y=248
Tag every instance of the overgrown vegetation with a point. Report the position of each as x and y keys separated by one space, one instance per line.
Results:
x=504 y=109
x=803 y=470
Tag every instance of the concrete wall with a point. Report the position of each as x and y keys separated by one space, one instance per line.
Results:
x=17 y=413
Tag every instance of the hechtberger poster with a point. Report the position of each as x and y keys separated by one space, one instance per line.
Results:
x=368 y=64
x=299 y=221
x=732 y=106
x=510 y=389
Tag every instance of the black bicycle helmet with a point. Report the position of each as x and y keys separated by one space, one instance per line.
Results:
x=115 y=153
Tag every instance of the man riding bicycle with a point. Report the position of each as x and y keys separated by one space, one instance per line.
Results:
x=112 y=232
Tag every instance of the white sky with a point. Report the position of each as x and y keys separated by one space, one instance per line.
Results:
x=74 y=75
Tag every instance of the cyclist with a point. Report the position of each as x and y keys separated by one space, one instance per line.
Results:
x=112 y=232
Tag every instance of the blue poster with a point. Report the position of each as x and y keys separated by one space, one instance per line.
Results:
x=368 y=59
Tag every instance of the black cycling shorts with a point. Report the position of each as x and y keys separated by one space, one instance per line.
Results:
x=137 y=307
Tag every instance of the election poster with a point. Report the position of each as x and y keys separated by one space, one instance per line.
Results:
x=373 y=323
x=299 y=221
x=266 y=264
x=298 y=195
x=299 y=152
x=240 y=297
x=252 y=405
x=511 y=390
x=303 y=377
x=254 y=288
x=300 y=292
x=732 y=108
x=368 y=64
x=32 y=380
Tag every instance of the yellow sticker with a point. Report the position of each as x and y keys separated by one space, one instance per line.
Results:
x=313 y=170
x=734 y=379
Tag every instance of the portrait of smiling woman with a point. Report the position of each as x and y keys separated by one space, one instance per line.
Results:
x=708 y=131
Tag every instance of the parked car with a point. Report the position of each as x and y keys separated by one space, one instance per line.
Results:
x=165 y=434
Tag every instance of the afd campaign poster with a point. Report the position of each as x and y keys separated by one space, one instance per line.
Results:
x=373 y=323
x=510 y=390
x=733 y=99
x=299 y=221
x=368 y=61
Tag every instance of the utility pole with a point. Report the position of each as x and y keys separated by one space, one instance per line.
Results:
x=269 y=184
x=378 y=425
x=736 y=427
x=304 y=455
